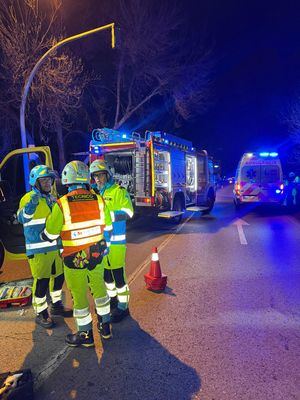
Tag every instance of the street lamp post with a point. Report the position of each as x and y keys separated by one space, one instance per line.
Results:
x=33 y=72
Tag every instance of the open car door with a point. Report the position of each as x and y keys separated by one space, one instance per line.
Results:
x=13 y=262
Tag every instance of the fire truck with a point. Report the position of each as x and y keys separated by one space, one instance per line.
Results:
x=164 y=174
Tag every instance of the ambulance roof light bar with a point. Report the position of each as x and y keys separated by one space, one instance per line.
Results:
x=266 y=154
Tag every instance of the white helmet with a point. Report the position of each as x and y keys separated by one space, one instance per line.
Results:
x=75 y=172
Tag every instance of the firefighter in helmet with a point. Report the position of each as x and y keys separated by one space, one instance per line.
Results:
x=44 y=259
x=81 y=219
x=119 y=203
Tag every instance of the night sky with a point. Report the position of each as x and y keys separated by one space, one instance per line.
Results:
x=256 y=74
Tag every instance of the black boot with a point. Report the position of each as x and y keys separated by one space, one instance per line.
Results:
x=104 y=328
x=80 y=338
x=113 y=302
x=43 y=319
x=58 y=308
x=117 y=315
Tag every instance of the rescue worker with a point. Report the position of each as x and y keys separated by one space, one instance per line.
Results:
x=119 y=203
x=80 y=218
x=291 y=191
x=44 y=259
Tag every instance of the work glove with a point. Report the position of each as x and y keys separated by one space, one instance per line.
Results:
x=35 y=198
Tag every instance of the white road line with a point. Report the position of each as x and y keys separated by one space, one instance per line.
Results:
x=241 y=233
x=54 y=362
x=239 y=224
x=146 y=262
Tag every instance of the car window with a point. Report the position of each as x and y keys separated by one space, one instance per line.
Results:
x=269 y=174
x=251 y=173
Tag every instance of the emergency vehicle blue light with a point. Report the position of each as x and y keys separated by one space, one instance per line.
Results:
x=278 y=191
x=264 y=154
x=216 y=166
x=273 y=154
x=97 y=151
x=166 y=141
x=249 y=155
x=124 y=136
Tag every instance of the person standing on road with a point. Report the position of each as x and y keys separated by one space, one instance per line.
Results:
x=80 y=218
x=291 y=191
x=44 y=259
x=119 y=203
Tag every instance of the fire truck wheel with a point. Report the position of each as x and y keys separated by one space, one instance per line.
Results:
x=177 y=206
x=210 y=201
x=1 y=254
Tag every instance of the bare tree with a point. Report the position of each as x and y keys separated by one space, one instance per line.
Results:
x=28 y=28
x=292 y=118
x=158 y=61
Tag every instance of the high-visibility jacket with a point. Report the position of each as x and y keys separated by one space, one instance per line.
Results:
x=33 y=217
x=119 y=203
x=80 y=219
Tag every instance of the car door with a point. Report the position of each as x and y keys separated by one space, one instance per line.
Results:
x=12 y=188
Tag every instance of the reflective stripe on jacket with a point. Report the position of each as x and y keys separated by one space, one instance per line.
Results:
x=119 y=203
x=80 y=219
x=33 y=217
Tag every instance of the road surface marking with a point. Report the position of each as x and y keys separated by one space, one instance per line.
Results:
x=239 y=224
x=146 y=262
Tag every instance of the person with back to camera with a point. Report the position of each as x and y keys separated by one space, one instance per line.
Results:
x=81 y=219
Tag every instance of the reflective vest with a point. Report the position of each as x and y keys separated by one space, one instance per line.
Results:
x=84 y=220
x=119 y=203
x=33 y=217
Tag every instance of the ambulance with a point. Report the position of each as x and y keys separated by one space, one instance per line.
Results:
x=259 y=179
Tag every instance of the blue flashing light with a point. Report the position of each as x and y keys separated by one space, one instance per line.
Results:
x=264 y=154
x=278 y=191
x=124 y=136
x=96 y=151
x=166 y=141
x=216 y=166
x=273 y=154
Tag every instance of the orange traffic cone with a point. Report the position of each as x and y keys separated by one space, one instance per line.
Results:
x=155 y=280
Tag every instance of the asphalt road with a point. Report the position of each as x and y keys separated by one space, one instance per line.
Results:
x=227 y=326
